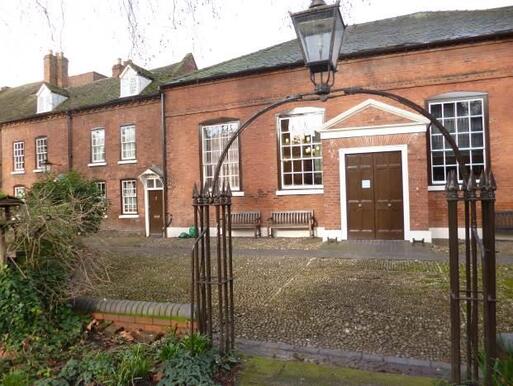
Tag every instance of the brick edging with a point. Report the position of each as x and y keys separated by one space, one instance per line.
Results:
x=352 y=359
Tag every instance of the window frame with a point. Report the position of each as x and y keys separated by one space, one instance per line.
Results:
x=121 y=157
x=38 y=166
x=221 y=121
x=280 y=177
x=15 y=187
x=122 y=197
x=104 y=187
x=14 y=156
x=91 y=154
x=454 y=97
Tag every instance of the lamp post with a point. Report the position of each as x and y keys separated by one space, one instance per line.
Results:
x=320 y=31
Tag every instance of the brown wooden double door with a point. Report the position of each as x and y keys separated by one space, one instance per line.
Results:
x=374 y=196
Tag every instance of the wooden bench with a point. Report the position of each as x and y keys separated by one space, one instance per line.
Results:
x=504 y=220
x=247 y=220
x=294 y=219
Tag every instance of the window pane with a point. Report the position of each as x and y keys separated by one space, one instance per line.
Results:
x=477 y=156
x=477 y=140
x=450 y=158
x=436 y=110
x=476 y=107
x=439 y=174
x=437 y=142
x=462 y=108
x=463 y=140
x=438 y=158
x=463 y=124
x=476 y=124
x=448 y=110
x=449 y=125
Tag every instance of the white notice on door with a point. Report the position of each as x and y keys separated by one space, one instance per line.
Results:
x=366 y=184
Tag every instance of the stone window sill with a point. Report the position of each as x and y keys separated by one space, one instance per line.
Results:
x=436 y=188
x=298 y=192
x=38 y=171
x=237 y=194
x=128 y=161
x=128 y=216
x=94 y=164
x=18 y=172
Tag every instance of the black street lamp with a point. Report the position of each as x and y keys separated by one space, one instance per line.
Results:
x=320 y=30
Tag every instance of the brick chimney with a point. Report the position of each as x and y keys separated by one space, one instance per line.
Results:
x=50 y=68
x=117 y=69
x=56 y=69
x=62 y=70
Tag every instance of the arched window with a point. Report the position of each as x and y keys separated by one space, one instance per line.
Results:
x=464 y=116
x=300 y=149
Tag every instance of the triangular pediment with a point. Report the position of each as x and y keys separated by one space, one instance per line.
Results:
x=372 y=114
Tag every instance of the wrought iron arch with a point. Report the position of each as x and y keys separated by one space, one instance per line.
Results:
x=207 y=275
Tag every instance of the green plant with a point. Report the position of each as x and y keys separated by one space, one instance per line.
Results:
x=15 y=378
x=80 y=192
x=196 y=343
x=133 y=364
x=21 y=309
x=192 y=361
x=187 y=369
x=502 y=370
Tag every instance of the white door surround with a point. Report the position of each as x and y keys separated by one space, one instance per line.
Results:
x=406 y=192
x=151 y=180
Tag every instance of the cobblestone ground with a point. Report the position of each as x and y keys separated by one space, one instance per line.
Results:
x=390 y=307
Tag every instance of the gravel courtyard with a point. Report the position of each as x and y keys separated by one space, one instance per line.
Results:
x=311 y=297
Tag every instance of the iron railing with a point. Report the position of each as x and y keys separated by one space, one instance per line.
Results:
x=471 y=296
x=212 y=274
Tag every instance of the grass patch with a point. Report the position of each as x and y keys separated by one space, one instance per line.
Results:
x=265 y=371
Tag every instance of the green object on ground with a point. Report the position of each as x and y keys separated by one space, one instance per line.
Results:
x=193 y=232
x=273 y=372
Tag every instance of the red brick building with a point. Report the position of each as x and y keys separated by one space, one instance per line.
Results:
x=367 y=167
x=108 y=129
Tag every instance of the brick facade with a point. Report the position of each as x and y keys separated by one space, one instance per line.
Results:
x=481 y=67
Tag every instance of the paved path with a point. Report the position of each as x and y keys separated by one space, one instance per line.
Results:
x=364 y=249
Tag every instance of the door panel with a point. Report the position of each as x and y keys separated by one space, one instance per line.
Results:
x=388 y=193
x=155 y=199
x=374 y=196
x=360 y=201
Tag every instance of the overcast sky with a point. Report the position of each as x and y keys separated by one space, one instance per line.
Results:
x=93 y=33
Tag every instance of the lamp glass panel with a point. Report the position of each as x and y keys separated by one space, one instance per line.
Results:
x=315 y=30
x=337 y=39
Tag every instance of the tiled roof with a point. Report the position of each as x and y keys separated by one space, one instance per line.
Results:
x=20 y=102
x=417 y=30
